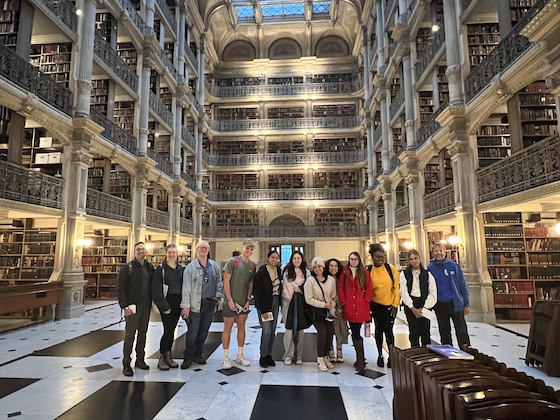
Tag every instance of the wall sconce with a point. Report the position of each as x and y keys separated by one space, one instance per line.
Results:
x=454 y=240
x=83 y=242
x=408 y=245
x=149 y=247
x=180 y=248
x=435 y=27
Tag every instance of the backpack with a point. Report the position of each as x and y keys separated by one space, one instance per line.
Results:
x=389 y=271
x=236 y=264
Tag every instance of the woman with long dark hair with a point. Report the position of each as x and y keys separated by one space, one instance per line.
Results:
x=354 y=294
x=267 y=288
x=334 y=268
x=294 y=275
x=167 y=285
x=419 y=295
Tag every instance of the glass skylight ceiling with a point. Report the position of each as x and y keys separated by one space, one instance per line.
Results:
x=274 y=10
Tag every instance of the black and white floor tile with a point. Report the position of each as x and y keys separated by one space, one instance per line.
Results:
x=72 y=369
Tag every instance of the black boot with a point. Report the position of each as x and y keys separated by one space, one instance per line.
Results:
x=360 y=357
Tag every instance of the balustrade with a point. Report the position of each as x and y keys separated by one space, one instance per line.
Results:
x=160 y=109
x=114 y=133
x=105 y=205
x=287 y=194
x=62 y=9
x=168 y=64
x=430 y=127
x=396 y=103
x=287 y=158
x=433 y=47
x=381 y=224
x=284 y=123
x=268 y=232
x=112 y=59
x=377 y=133
x=157 y=218
x=284 y=90
x=529 y=168
x=26 y=186
x=388 y=9
x=191 y=183
x=27 y=77
x=167 y=14
x=191 y=58
x=402 y=216
x=132 y=14
x=163 y=164
x=394 y=163
x=439 y=202
x=192 y=100
x=186 y=226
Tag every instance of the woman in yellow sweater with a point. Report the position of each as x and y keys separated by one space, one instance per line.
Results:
x=385 y=301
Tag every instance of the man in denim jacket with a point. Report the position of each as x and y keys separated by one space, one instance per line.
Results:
x=453 y=297
x=202 y=288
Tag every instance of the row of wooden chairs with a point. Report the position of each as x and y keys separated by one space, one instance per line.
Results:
x=428 y=386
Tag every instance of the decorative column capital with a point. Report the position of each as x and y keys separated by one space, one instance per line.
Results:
x=553 y=82
x=81 y=157
x=459 y=148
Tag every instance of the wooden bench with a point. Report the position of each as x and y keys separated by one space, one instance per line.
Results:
x=20 y=298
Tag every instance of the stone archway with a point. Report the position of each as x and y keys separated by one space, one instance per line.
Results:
x=287 y=220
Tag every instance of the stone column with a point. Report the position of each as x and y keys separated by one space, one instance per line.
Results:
x=370 y=153
x=453 y=71
x=85 y=57
x=139 y=201
x=416 y=209
x=385 y=140
x=408 y=98
x=199 y=210
x=76 y=160
x=367 y=61
x=175 y=213
x=389 y=207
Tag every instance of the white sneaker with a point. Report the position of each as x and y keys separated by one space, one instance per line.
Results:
x=299 y=362
x=328 y=363
x=321 y=364
x=288 y=361
x=242 y=361
x=226 y=364
x=339 y=356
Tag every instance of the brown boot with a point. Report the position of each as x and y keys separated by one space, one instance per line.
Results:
x=360 y=358
x=162 y=362
x=170 y=362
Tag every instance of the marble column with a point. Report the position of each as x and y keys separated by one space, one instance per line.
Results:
x=452 y=55
x=416 y=208
x=175 y=213
x=389 y=208
x=408 y=99
x=76 y=161
x=139 y=201
x=85 y=57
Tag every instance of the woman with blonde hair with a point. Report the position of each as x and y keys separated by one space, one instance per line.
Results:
x=354 y=294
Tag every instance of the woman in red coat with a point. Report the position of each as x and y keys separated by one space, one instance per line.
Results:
x=354 y=294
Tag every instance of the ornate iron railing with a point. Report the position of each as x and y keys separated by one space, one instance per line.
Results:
x=27 y=77
x=186 y=226
x=529 y=168
x=411 y=7
x=192 y=100
x=381 y=224
x=113 y=60
x=402 y=216
x=433 y=47
x=166 y=13
x=388 y=9
x=397 y=103
x=430 y=127
x=191 y=183
x=284 y=90
x=132 y=14
x=114 y=133
x=163 y=164
x=503 y=56
x=349 y=193
x=394 y=163
x=377 y=133
x=188 y=138
x=439 y=202
x=168 y=64
x=26 y=186
x=287 y=158
x=267 y=232
x=157 y=218
x=62 y=9
x=285 y=123
x=191 y=58
x=105 y=205
x=160 y=109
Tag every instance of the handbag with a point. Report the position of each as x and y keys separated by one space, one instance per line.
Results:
x=313 y=313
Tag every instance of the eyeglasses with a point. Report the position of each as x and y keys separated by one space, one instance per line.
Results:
x=203 y=247
x=354 y=259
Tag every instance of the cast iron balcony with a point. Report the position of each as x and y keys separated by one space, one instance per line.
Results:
x=157 y=218
x=284 y=90
x=111 y=59
x=186 y=226
x=161 y=110
x=108 y=206
x=350 y=193
x=113 y=133
x=191 y=183
x=284 y=123
x=167 y=14
x=396 y=103
x=132 y=14
x=163 y=164
x=433 y=47
x=274 y=159
x=439 y=202
x=402 y=216
x=269 y=232
x=430 y=127
x=61 y=9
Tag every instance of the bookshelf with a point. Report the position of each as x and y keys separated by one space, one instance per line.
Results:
x=123 y=116
x=493 y=142
x=443 y=85
x=518 y=8
x=237 y=147
x=238 y=113
x=238 y=81
x=336 y=216
x=156 y=251
x=524 y=262
x=345 y=144
x=237 y=217
x=432 y=177
x=337 y=179
x=163 y=146
x=286 y=147
x=100 y=95
x=482 y=39
x=395 y=87
x=128 y=53
x=285 y=112
x=101 y=263
x=53 y=59
x=166 y=97
x=185 y=254
x=451 y=251
x=280 y=181
x=238 y=181
x=168 y=49
x=398 y=141
x=104 y=25
x=340 y=110
x=9 y=22
x=26 y=253
x=426 y=102
x=331 y=78
x=120 y=182
x=41 y=152
x=293 y=80
x=422 y=38
x=96 y=174
x=538 y=113
x=154 y=81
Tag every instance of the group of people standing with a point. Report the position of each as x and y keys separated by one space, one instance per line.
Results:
x=332 y=297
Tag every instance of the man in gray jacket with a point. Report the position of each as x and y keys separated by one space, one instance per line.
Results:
x=202 y=288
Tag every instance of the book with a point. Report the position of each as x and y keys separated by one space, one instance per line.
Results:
x=267 y=316
x=450 y=352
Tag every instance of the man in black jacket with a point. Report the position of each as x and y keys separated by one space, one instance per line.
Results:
x=135 y=298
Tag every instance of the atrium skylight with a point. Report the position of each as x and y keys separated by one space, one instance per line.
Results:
x=273 y=10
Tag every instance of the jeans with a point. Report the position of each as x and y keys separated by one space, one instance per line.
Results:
x=269 y=328
x=446 y=312
x=198 y=324
x=170 y=322
x=137 y=322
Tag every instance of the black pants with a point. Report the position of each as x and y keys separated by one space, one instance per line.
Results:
x=325 y=332
x=444 y=313
x=383 y=325
x=170 y=322
x=355 y=328
x=419 y=328
x=136 y=323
